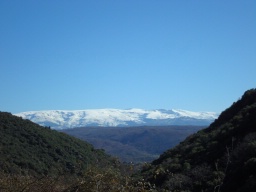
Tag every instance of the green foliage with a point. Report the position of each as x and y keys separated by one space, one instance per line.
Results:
x=221 y=157
x=29 y=148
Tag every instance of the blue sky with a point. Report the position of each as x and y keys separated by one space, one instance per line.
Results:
x=86 y=54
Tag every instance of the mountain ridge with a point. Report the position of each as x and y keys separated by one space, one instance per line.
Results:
x=63 y=119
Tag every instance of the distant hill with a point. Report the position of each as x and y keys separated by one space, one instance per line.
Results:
x=27 y=148
x=134 y=144
x=221 y=157
x=62 y=119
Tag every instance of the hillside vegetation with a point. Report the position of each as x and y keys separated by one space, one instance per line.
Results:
x=219 y=158
x=29 y=148
x=35 y=158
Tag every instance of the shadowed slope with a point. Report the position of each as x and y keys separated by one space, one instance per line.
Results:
x=219 y=158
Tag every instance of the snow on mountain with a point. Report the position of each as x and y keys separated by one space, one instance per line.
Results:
x=62 y=119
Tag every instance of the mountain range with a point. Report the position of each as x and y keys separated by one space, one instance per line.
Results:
x=65 y=119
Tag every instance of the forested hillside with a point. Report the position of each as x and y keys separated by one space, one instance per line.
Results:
x=219 y=158
x=28 y=147
x=36 y=158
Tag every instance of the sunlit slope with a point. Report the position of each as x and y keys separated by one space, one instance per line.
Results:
x=29 y=148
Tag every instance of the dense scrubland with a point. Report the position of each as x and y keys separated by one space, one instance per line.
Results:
x=221 y=157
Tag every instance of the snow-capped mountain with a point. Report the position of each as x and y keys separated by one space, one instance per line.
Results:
x=63 y=119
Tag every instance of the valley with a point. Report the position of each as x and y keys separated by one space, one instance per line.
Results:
x=134 y=144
